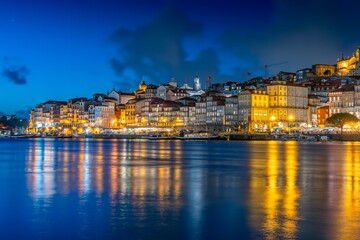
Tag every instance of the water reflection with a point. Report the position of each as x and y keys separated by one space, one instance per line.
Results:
x=118 y=170
x=145 y=189
x=274 y=193
x=348 y=217
x=41 y=167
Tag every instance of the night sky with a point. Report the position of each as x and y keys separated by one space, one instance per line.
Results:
x=56 y=50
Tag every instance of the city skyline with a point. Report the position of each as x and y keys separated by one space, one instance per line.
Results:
x=64 y=50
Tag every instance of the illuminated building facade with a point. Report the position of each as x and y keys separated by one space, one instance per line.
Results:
x=130 y=112
x=288 y=104
x=314 y=103
x=200 y=108
x=231 y=113
x=253 y=110
x=357 y=100
x=342 y=100
x=322 y=114
x=323 y=70
x=349 y=66
x=215 y=113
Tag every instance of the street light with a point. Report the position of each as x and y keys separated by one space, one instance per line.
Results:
x=272 y=120
x=291 y=119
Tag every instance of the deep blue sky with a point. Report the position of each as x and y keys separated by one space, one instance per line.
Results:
x=63 y=49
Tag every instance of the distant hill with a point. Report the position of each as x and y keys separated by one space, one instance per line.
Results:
x=13 y=121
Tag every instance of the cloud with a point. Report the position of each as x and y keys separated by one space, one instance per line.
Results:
x=156 y=51
x=300 y=33
x=15 y=72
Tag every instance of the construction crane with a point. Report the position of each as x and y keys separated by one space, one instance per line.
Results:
x=266 y=66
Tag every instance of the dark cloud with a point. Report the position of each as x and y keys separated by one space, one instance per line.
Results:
x=15 y=72
x=156 y=51
x=299 y=33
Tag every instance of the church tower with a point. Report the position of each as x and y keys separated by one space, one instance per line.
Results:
x=142 y=86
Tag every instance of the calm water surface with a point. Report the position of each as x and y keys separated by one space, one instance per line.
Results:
x=133 y=189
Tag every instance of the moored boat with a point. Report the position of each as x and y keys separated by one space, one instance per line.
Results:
x=156 y=137
x=197 y=136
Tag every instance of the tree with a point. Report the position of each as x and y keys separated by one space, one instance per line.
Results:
x=340 y=119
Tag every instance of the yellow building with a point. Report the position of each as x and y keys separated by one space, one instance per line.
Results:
x=253 y=110
x=323 y=70
x=288 y=104
x=350 y=65
x=130 y=112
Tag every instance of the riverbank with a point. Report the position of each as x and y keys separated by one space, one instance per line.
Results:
x=223 y=136
x=305 y=137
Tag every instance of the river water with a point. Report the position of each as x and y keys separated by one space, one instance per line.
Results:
x=141 y=189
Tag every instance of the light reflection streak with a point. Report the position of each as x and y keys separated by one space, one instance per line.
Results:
x=274 y=184
x=114 y=171
x=41 y=166
x=99 y=168
x=291 y=192
x=65 y=157
x=119 y=169
x=348 y=216
x=272 y=194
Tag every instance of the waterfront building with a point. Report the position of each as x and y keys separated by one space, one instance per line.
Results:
x=322 y=114
x=357 y=100
x=164 y=113
x=322 y=88
x=253 y=110
x=119 y=121
x=45 y=117
x=215 y=113
x=188 y=112
x=288 y=104
x=105 y=115
x=200 y=113
x=91 y=114
x=231 y=113
x=314 y=103
x=342 y=100
x=130 y=112
x=142 y=109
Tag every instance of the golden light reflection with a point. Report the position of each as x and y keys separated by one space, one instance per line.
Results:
x=117 y=168
x=150 y=170
x=291 y=192
x=274 y=193
x=349 y=212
